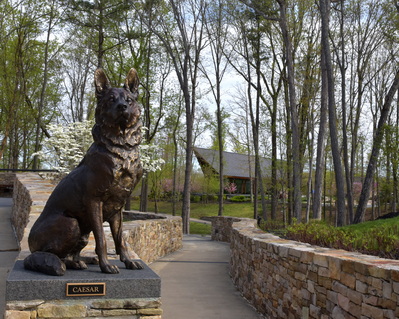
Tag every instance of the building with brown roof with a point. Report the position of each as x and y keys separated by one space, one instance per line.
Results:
x=238 y=168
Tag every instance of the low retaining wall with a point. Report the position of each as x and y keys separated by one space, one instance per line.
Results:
x=7 y=179
x=287 y=279
x=139 y=308
x=154 y=236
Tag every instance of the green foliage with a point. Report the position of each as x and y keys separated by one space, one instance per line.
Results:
x=240 y=199
x=195 y=198
x=380 y=238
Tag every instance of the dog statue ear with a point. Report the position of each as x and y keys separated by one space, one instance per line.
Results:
x=132 y=81
x=101 y=81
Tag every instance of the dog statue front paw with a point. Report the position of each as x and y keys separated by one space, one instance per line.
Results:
x=133 y=264
x=109 y=269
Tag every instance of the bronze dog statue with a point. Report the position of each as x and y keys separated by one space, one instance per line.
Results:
x=96 y=190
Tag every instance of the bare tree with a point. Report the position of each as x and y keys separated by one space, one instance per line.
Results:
x=184 y=43
x=321 y=143
x=325 y=18
x=216 y=30
x=297 y=203
x=365 y=194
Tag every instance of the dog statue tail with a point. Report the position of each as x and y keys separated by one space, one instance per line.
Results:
x=46 y=263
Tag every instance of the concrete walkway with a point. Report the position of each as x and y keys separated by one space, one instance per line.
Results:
x=195 y=281
x=8 y=248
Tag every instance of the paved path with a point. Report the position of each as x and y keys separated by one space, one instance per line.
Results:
x=195 y=281
x=8 y=248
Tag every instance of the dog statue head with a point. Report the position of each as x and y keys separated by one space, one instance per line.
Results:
x=117 y=108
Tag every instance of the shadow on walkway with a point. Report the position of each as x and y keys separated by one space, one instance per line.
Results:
x=195 y=283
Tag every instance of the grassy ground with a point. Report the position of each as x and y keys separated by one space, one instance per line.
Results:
x=199 y=210
x=200 y=229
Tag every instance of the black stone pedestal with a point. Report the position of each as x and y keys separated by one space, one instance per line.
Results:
x=26 y=285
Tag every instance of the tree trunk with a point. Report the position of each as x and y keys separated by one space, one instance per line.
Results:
x=43 y=91
x=297 y=204
x=365 y=194
x=188 y=169
x=325 y=17
x=144 y=195
x=348 y=171
x=321 y=144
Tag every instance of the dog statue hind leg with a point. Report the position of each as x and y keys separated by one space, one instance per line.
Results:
x=49 y=252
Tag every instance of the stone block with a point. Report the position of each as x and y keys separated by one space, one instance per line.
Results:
x=335 y=268
x=150 y=311
x=377 y=283
x=339 y=313
x=324 y=272
x=387 y=290
x=370 y=300
x=379 y=272
x=361 y=287
x=355 y=297
x=15 y=314
x=340 y=288
x=314 y=311
x=348 y=280
x=332 y=296
x=395 y=275
x=325 y=282
x=120 y=313
x=320 y=260
x=372 y=312
x=395 y=287
x=355 y=310
x=348 y=266
x=62 y=311
x=343 y=302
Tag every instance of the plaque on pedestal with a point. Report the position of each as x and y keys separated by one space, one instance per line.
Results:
x=23 y=284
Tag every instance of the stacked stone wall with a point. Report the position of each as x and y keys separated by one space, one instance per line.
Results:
x=152 y=239
x=7 y=179
x=30 y=194
x=287 y=279
x=221 y=228
x=140 y=308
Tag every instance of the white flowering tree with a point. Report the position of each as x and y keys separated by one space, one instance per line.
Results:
x=68 y=143
x=150 y=158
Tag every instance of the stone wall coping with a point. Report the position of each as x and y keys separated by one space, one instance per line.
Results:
x=248 y=228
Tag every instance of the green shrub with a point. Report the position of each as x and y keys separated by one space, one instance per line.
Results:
x=195 y=198
x=380 y=240
x=240 y=199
